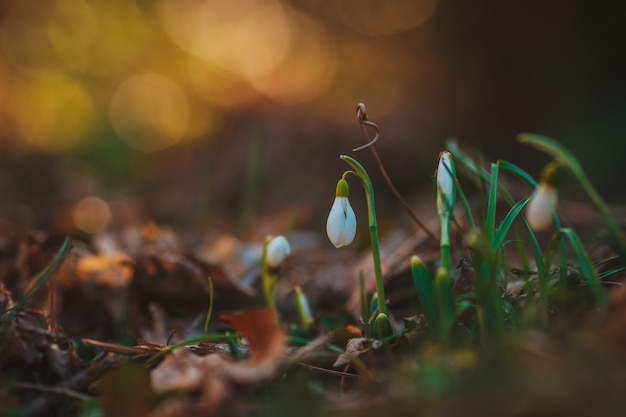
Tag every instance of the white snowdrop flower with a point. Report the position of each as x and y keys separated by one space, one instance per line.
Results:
x=341 y=223
x=542 y=204
x=277 y=250
x=446 y=175
x=445 y=172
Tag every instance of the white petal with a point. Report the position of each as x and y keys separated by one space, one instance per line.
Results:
x=541 y=206
x=341 y=223
x=444 y=174
x=277 y=250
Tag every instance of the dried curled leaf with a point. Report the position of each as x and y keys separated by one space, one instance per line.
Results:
x=354 y=348
x=28 y=342
x=183 y=370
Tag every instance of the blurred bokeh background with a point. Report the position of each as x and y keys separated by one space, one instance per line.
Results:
x=227 y=113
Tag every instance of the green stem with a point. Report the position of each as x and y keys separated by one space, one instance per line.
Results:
x=365 y=311
x=445 y=240
x=203 y=338
x=360 y=172
x=43 y=278
x=268 y=279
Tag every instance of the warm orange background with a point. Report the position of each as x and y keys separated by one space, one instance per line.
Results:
x=205 y=112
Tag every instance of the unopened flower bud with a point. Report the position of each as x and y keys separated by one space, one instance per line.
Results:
x=277 y=250
x=446 y=175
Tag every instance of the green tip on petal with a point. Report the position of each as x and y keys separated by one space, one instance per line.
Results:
x=304 y=310
x=442 y=273
x=416 y=261
x=550 y=174
x=382 y=326
x=342 y=188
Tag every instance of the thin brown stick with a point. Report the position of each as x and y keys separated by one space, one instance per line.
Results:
x=329 y=371
x=51 y=305
x=361 y=116
x=67 y=392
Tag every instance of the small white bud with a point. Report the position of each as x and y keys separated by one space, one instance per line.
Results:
x=542 y=204
x=277 y=250
x=445 y=174
x=341 y=223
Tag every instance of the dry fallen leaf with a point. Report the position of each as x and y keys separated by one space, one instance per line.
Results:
x=180 y=370
x=28 y=342
x=216 y=375
x=354 y=348
x=266 y=343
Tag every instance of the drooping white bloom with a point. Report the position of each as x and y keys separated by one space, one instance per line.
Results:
x=277 y=250
x=341 y=223
x=542 y=204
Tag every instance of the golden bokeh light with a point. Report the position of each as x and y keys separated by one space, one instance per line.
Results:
x=48 y=36
x=310 y=67
x=91 y=215
x=372 y=17
x=357 y=79
x=51 y=111
x=216 y=86
x=123 y=41
x=150 y=112
x=247 y=37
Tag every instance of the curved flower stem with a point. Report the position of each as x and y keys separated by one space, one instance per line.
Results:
x=361 y=174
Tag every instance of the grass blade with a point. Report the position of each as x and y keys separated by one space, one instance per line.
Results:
x=506 y=224
x=44 y=277
x=586 y=266
x=490 y=222
x=423 y=281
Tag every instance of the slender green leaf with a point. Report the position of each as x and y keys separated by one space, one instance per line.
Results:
x=44 y=277
x=466 y=207
x=518 y=172
x=423 y=281
x=466 y=161
x=586 y=266
x=506 y=224
x=445 y=301
x=490 y=222
x=562 y=155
